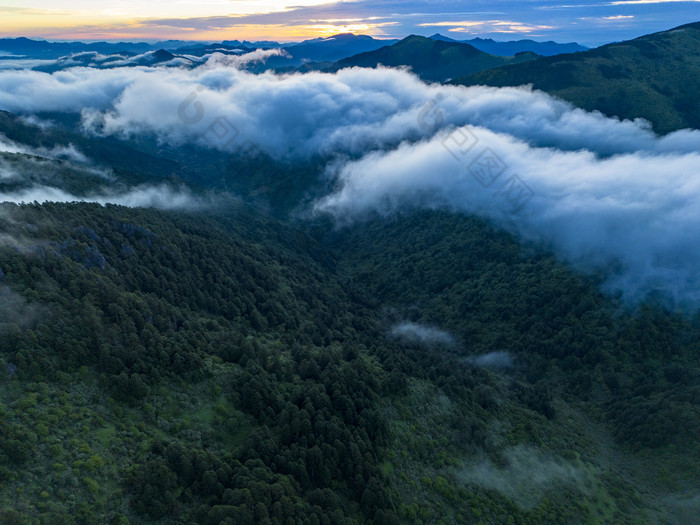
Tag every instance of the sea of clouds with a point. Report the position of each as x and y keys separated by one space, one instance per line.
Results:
x=605 y=194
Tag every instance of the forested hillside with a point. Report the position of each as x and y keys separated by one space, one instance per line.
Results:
x=432 y=60
x=333 y=325
x=175 y=368
x=652 y=77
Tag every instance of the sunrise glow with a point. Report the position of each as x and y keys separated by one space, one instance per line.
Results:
x=296 y=20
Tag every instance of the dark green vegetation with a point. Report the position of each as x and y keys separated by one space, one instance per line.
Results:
x=172 y=367
x=432 y=60
x=654 y=77
x=129 y=164
x=233 y=365
x=224 y=367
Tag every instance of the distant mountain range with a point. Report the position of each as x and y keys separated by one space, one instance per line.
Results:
x=655 y=77
x=319 y=53
x=336 y=47
x=432 y=60
x=188 y=335
x=514 y=47
x=319 y=49
x=326 y=50
x=42 y=49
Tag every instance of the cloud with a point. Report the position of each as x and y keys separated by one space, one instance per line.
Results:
x=525 y=477
x=24 y=63
x=488 y=26
x=154 y=59
x=7 y=171
x=94 y=59
x=69 y=152
x=16 y=309
x=294 y=22
x=606 y=195
x=33 y=120
x=9 y=146
x=226 y=60
x=352 y=111
x=496 y=360
x=28 y=91
x=301 y=115
x=60 y=152
x=417 y=333
x=10 y=241
x=161 y=197
x=50 y=166
x=637 y=2
x=633 y=216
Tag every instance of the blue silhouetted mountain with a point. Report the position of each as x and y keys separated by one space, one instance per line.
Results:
x=432 y=60
x=43 y=49
x=325 y=51
x=513 y=47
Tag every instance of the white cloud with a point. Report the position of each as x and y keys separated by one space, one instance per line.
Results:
x=634 y=212
x=23 y=63
x=488 y=26
x=161 y=197
x=219 y=60
x=605 y=194
x=16 y=309
x=353 y=110
x=526 y=476
x=69 y=152
x=635 y=2
x=417 y=333
x=33 y=120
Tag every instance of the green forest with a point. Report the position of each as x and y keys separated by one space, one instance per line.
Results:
x=241 y=360
x=226 y=367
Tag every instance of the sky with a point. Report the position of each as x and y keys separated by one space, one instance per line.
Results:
x=587 y=22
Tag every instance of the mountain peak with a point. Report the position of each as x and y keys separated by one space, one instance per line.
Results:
x=432 y=60
x=419 y=38
x=346 y=36
x=661 y=66
x=162 y=55
x=438 y=36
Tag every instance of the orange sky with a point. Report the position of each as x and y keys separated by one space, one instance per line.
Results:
x=590 y=23
x=131 y=19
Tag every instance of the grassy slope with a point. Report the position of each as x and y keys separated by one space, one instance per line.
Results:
x=653 y=77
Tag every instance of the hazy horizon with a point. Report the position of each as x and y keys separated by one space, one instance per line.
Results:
x=456 y=38
x=541 y=20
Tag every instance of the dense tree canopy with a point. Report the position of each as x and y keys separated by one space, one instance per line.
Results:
x=224 y=367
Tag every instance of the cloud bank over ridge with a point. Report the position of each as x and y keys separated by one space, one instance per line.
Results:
x=162 y=197
x=605 y=194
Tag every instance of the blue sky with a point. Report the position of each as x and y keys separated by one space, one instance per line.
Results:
x=590 y=23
